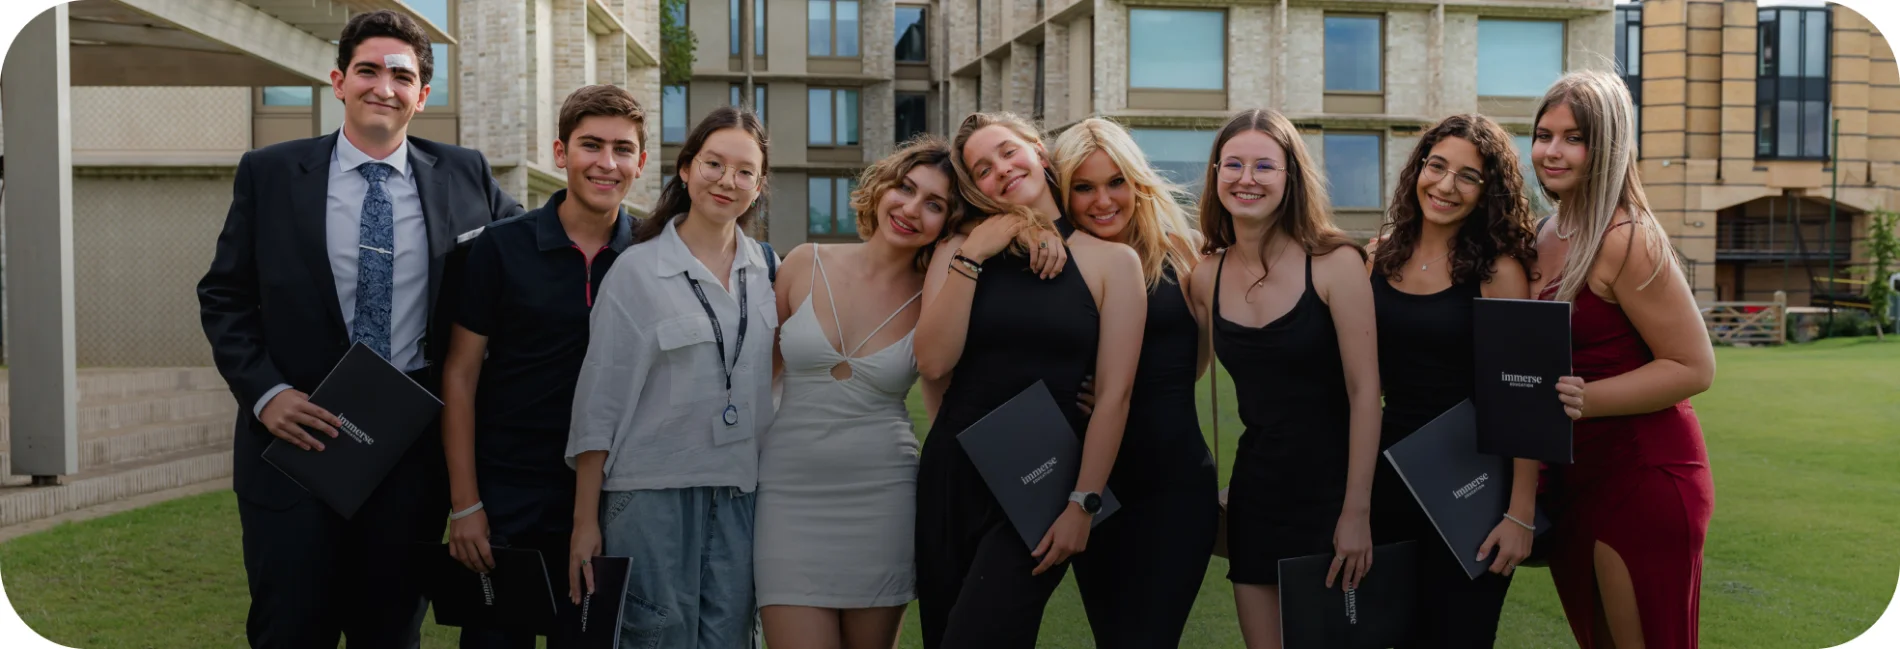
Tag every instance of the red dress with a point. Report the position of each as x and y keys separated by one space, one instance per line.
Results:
x=1640 y=485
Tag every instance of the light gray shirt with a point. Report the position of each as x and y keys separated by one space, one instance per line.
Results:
x=651 y=392
x=342 y=223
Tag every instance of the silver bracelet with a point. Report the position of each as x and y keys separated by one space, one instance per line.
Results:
x=1527 y=526
x=456 y=516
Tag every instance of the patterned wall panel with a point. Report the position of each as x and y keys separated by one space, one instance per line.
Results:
x=162 y=119
x=140 y=245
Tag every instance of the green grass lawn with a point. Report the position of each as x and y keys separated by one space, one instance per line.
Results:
x=1800 y=554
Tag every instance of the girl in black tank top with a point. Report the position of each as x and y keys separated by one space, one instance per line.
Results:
x=1002 y=325
x=1293 y=323
x=1459 y=228
x=1145 y=565
x=1289 y=478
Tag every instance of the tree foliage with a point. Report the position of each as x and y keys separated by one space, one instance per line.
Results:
x=1884 y=245
x=677 y=43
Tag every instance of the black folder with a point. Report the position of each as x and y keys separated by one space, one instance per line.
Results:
x=595 y=624
x=1463 y=492
x=1376 y=615
x=515 y=595
x=1521 y=348
x=383 y=412
x=1029 y=456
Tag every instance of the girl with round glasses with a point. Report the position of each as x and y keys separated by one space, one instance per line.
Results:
x=1459 y=228
x=1294 y=325
x=673 y=395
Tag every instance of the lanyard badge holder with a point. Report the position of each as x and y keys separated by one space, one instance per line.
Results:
x=731 y=414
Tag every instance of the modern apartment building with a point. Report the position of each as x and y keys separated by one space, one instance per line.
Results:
x=1360 y=79
x=1738 y=102
x=838 y=84
x=166 y=96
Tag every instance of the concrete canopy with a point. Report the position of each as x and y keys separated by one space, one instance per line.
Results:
x=214 y=42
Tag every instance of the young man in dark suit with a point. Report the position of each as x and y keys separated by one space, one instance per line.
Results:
x=332 y=241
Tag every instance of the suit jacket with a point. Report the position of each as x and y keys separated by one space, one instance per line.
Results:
x=269 y=302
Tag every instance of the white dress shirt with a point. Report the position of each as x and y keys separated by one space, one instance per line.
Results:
x=342 y=223
x=651 y=392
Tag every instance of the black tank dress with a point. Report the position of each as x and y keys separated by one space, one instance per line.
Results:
x=1289 y=478
x=1144 y=565
x=1425 y=368
x=973 y=583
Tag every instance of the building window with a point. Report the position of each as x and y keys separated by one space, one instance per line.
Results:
x=288 y=96
x=832 y=28
x=738 y=24
x=736 y=97
x=834 y=117
x=737 y=92
x=829 y=207
x=1519 y=58
x=672 y=114
x=1178 y=155
x=1791 y=91
x=758 y=28
x=1037 y=111
x=912 y=109
x=1177 y=49
x=1355 y=54
x=910 y=34
x=1629 y=55
x=1353 y=166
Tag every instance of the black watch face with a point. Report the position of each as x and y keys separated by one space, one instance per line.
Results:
x=1092 y=503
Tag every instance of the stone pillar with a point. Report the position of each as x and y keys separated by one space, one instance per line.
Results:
x=39 y=250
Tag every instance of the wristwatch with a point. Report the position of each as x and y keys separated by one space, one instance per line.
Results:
x=1090 y=501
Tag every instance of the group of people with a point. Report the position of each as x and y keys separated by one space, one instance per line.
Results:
x=665 y=389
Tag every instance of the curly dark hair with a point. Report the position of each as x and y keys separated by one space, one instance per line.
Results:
x=926 y=150
x=1500 y=226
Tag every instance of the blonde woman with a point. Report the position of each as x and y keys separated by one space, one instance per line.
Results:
x=1145 y=565
x=1633 y=508
x=1003 y=328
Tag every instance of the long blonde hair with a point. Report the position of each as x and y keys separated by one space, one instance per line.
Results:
x=1305 y=215
x=1607 y=119
x=1157 y=226
x=981 y=206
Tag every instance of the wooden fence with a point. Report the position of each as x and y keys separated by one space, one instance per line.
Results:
x=1748 y=323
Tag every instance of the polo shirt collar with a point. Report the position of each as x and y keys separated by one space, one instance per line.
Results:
x=549 y=234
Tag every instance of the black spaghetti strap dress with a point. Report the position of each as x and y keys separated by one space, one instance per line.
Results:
x=1425 y=368
x=973 y=583
x=1144 y=565
x=1289 y=478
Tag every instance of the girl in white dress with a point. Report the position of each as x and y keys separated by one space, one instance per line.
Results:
x=838 y=468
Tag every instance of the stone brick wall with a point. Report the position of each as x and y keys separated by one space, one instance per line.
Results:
x=1111 y=56
x=1253 y=51
x=1019 y=93
x=1458 y=81
x=1408 y=73
x=879 y=104
x=1305 y=77
x=1055 y=74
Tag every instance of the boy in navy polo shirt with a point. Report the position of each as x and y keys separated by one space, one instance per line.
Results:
x=529 y=287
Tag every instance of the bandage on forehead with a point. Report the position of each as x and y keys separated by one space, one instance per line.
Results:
x=394 y=61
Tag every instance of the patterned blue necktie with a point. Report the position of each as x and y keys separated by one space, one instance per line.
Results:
x=375 y=263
